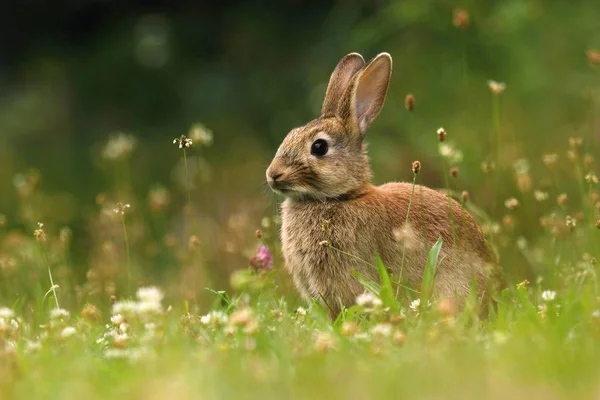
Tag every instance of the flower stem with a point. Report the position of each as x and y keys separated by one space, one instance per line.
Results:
x=496 y=122
x=187 y=179
x=126 y=238
x=52 y=285
x=412 y=193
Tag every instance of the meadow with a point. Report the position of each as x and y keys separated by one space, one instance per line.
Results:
x=160 y=275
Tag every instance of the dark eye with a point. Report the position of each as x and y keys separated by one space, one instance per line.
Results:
x=319 y=148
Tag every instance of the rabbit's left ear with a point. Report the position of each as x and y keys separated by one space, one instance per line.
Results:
x=364 y=97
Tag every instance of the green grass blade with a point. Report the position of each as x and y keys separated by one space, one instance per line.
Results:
x=386 y=293
x=430 y=271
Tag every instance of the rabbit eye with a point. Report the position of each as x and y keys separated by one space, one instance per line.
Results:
x=319 y=148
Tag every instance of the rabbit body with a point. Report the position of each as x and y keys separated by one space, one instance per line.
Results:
x=335 y=222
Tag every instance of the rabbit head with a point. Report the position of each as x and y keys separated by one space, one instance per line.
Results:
x=326 y=158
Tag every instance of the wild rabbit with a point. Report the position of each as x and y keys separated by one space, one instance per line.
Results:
x=334 y=221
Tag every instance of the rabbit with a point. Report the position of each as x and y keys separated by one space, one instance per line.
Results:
x=334 y=221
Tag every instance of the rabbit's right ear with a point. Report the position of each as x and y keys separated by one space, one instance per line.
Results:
x=339 y=81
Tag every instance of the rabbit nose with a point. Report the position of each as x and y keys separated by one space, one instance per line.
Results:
x=274 y=175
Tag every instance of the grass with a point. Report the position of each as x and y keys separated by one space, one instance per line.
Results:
x=256 y=340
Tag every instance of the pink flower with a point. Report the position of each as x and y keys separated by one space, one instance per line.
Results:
x=263 y=260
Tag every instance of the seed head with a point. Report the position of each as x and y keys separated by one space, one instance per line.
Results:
x=441 y=133
x=588 y=160
x=550 y=159
x=591 y=178
x=258 y=234
x=194 y=242
x=183 y=142
x=562 y=198
x=39 y=233
x=409 y=102
x=488 y=167
x=512 y=203
x=454 y=172
x=120 y=208
x=570 y=222
x=464 y=196
x=460 y=18
x=575 y=142
x=416 y=167
x=349 y=328
x=593 y=56
x=399 y=338
x=540 y=196
x=496 y=87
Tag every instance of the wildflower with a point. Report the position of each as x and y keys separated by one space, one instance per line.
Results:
x=90 y=312
x=512 y=203
x=562 y=198
x=68 y=332
x=464 y=196
x=488 y=167
x=409 y=102
x=572 y=155
x=540 y=196
x=39 y=233
x=593 y=56
x=241 y=317
x=591 y=178
x=349 y=328
x=550 y=159
x=126 y=307
x=454 y=172
x=6 y=313
x=150 y=294
x=120 y=208
x=416 y=167
x=460 y=18
x=324 y=341
x=200 y=134
x=193 y=242
x=399 y=338
x=368 y=301
x=508 y=222
x=496 y=87
x=441 y=134
x=263 y=260
x=415 y=304
x=301 y=311
x=59 y=313
x=570 y=222
x=548 y=295
x=575 y=142
x=119 y=146
x=214 y=318
x=117 y=319
x=446 y=307
x=588 y=160
x=183 y=142
x=382 y=330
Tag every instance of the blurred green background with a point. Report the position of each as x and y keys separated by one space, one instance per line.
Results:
x=73 y=73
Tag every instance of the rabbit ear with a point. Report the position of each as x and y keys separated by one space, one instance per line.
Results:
x=339 y=81
x=365 y=96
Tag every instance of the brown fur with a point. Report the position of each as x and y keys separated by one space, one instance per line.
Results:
x=334 y=221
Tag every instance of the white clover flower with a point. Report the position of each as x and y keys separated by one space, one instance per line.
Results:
x=150 y=294
x=415 y=304
x=149 y=307
x=383 y=330
x=449 y=152
x=199 y=133
x=32 y=347
x=540 y=196
x=214 y=318
x=496 y=87
x=301 y=311
x=126 y=307
x=117 y=319
x=6 y=313
x=548 y=295
x=59 y=313
x=68 y=332
x=368 y=300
